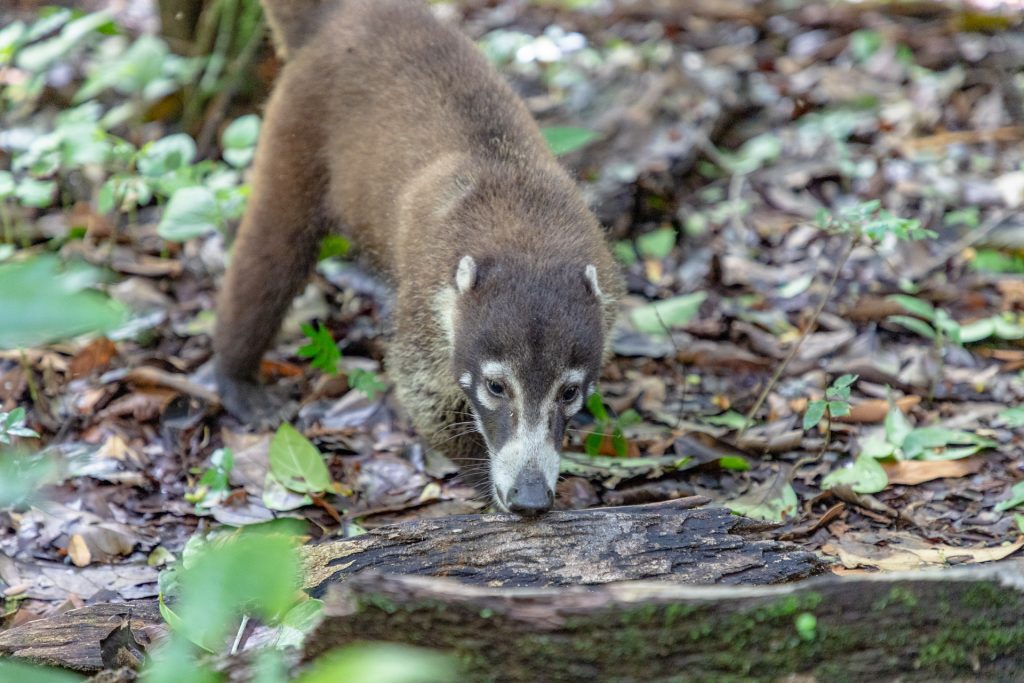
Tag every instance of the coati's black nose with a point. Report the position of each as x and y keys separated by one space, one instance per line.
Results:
x=530 y=496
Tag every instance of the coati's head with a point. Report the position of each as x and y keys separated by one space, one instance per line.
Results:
x=527 y=340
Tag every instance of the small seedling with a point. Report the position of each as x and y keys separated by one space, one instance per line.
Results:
x=213 y=487
x=367 y=382
x=321 y=349
x=835 y=404
x=12 y=424
x=608 y=427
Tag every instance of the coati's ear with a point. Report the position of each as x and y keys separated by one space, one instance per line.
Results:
x=590 y=273
x=465 y=276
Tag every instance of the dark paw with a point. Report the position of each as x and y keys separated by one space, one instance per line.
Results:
x=260 y=407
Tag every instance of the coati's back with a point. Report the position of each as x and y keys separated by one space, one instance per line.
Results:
x=394 y=128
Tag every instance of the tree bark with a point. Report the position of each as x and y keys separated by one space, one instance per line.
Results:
x=956 y=624
x=671 y=541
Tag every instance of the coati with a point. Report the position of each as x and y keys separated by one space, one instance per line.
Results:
x=390 y=126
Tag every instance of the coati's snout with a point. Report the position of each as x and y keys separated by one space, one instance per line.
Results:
x=527 y=340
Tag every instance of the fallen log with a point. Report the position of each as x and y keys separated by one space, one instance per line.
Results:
x=953 y=624
x=671 y=541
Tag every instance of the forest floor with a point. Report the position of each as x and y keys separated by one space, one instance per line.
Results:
x=738 y=155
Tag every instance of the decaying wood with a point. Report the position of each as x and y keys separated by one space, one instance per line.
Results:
x=672 y=541
x=73 y=640
x=956 y=624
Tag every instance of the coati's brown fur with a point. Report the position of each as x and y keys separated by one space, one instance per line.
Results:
x=391 y=127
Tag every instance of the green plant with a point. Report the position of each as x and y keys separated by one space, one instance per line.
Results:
x=42 y=301
x=902 y=441
x=565 y=139
x=226 y=576
x=321 y=350
x=213 y=487
x=365 y=381
x=864 y=222
x=835 y=404
x=12 y=424
x=608 y=427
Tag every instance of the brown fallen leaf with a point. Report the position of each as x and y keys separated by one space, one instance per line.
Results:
x=143 y=404
x=94 y=357
x=902 y=551
x=913 y=472
x=874 y=410
x=101 y=542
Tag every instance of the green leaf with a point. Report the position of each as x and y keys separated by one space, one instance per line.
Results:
x=1012 y=417
x=334 y=246
x=625 y=252
x=878 y=448
x=23 y=672
x=381 y=663
x=914 y=325
x=1020 y=522
x=658 y=318
x=1008 y=329
x=191 y=212
x=321 y=348
x=1015 y=498
x=864 y=43
x=619 y=443
x=770 y=501
x=296 y=463
x=897 y=427
x=366 y=382
x=38 y=194
x=978 y=330
x=166 y=155
x=41 y=56
x=838 y=408
x=864 y=476
x=298 y=622
x=251 y=571
x=938 y=443
x=592 y=444
x=994 y=261
x=729 y=418
x=657 y=244
x=595 y=404
x=913 y=305
x=41 y=302
x=815 y=411
x=844 y=381
x=735 y=463
x=795 y=287
x=239 y=140
x=7 y=184
x=969 y=216
x=565 y=139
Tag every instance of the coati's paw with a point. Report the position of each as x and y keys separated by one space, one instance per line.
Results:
x=258 y=406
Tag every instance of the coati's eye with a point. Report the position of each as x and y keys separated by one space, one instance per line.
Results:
x=570 y=393
x=496 y=387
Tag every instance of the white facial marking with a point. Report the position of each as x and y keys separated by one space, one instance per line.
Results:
x=465 y=276
x=531 y=446
x=466 y=380
x=591 y=274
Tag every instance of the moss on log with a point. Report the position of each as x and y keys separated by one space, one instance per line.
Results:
x=956 y=624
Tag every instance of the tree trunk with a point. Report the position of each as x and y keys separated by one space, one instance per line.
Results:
x=957 y=624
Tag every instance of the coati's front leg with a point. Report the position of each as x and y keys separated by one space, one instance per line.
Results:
x=274 y=254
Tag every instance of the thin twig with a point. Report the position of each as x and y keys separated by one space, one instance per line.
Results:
x=811 y=325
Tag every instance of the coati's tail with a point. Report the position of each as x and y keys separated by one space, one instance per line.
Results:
x=293 y=22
